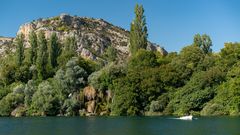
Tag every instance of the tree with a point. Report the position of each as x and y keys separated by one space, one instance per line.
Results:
x=29 y=90
x=54 y=50
x=44 y=101
x=20 y=49
x=42 y=59
x=102 y=79
x=33 y=49
x=75 y=76
x=71 y=45
x=230 y=54
x=142 y=59
x=204 y=42
x=69 y=50
x=138 y=31
x=10 y=102
x=199 y=90
x=111 y=53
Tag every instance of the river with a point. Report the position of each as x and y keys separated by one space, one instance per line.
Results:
x=119 y=126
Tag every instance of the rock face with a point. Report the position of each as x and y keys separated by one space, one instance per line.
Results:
x=89 y=93
x=6 y=45
x=19 y=111
x=93 y=35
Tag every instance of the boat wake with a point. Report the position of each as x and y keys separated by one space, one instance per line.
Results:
x=190 y=117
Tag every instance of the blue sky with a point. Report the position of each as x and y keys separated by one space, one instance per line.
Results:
x=171 y=23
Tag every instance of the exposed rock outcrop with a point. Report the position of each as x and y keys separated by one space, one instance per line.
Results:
x=93 y=35
x=89 y=93
x=91 y=106
x=6 y=45
x=19 y=111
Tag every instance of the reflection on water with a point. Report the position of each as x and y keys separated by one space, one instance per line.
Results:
x=119 y=126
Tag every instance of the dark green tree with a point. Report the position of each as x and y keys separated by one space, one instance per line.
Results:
x=70 y=45
x=111 y=53
x=42 y=59
x=138 y=31
x=20 y=49
x=204 y=42
x=33 y=49
x=68 y=50
x=54 y=50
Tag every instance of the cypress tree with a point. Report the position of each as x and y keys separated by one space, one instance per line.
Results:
x=54 y=50
x=138 y=31
x=20 y=49
x=71 y=45
x=33 y=49
x=42 y=59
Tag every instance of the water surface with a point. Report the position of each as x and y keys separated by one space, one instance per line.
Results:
x=119 y=126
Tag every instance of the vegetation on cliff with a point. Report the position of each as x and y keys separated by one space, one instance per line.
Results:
x=50 y=78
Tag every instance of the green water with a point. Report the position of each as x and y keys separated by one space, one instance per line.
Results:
x=119 y=126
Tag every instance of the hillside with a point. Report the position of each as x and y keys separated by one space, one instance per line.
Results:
x=90 y=75
x=93 y=35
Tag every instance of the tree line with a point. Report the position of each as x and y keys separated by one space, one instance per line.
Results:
x=49 y=77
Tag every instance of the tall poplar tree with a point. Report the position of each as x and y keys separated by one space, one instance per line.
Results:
x=42 y=59
x=54 y=50
x=138 y=31
x=20 y=49
x=33 y=49
x=71 y=45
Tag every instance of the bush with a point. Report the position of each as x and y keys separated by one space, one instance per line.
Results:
x=10 y=102
x=44 y=100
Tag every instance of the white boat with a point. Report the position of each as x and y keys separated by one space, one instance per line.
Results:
x=190 y=117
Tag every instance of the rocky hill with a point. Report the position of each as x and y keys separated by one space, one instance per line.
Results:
x=5 y=45
x=93 y=35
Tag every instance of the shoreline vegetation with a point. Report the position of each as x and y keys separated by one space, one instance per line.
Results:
x=49 y=78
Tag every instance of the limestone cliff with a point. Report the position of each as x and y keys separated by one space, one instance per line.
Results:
x=6 y=45
x=93 y=35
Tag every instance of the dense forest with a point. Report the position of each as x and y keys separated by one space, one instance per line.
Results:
x=49 y=78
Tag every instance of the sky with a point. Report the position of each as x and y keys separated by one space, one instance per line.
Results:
x=171 y=23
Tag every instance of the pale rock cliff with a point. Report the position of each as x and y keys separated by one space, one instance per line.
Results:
x=93 y=35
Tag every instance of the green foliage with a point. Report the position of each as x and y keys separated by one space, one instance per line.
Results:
x=143 y=59
x=34 y=46
x=22 y=73
x=10 y=102
x=204 y=42
x=42 y=59
x=230 y=54
x=36 y=81
x=227 y=100
x=8 y=73
x=63 y=28
x=20 y=49
x=138 y=31
x=68 y=50
x=134 y=92
x=186 y=63
x=72 y=106
x=198 y=91
x=160 y=104
x=69 y=80
x=29 y=90
x=54 y=50
x=75 y=75
x=44 y=101
x=111 y=53
x=103 y=79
